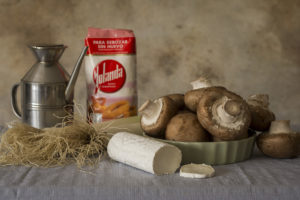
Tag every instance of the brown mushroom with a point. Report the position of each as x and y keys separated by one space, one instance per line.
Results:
x=261 y=116
x=280 y=141
x=178 y=99
x=156 y=114
x=224 y=114
x=185 y=127
x=192 y=97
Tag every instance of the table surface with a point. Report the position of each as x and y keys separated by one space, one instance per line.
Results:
x=257 y=178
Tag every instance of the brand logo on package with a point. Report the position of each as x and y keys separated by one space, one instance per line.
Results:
x=109 y=76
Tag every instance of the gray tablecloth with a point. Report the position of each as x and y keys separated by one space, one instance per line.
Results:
x=258 y=178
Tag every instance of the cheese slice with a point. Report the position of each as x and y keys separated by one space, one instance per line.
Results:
x=197 y=171
x=144 y=153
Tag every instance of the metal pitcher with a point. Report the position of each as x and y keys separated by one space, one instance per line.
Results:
x=47 y=88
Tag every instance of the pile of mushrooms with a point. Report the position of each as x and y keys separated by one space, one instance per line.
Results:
x=207 y=113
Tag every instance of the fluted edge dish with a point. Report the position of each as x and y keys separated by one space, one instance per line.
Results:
x=214 y=153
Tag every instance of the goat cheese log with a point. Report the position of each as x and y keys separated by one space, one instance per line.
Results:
x=144 y=153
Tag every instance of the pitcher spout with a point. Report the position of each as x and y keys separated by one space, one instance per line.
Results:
x=71 y=84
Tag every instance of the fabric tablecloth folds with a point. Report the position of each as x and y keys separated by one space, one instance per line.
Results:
x=258 y=178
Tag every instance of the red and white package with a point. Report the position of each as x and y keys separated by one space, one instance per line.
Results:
x=110 y=67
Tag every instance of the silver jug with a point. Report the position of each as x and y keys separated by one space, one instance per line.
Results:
x=47 y=88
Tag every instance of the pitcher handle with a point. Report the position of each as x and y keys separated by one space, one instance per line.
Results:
x=14 y=103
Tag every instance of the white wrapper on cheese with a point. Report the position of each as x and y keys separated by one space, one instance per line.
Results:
x=144 y=153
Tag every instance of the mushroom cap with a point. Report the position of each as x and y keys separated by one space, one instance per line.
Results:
x=178 y=99
x=224 y=114
x=185 y=127
x=192 y=97
x=261 y=116
x=157 y=127
x=280 y=145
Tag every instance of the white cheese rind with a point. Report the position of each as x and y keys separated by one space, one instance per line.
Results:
x=197 y=171
x=144 y=153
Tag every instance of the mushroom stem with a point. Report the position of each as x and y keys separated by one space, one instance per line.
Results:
x=232 y=107
x=201 y=83
x=224 y=116
x=223 y=108
x=280 y=126
x=228 y=113
x=259 y=99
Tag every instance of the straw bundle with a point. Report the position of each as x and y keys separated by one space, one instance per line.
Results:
x=81 y=142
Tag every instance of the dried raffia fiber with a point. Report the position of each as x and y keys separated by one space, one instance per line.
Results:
x=80 y=142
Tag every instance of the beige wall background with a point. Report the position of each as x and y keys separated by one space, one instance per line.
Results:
x=249 y=46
